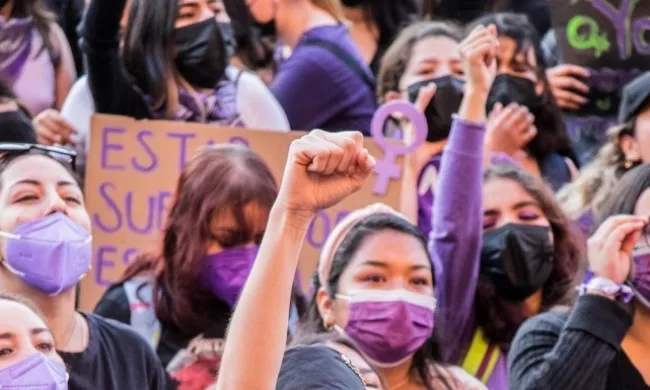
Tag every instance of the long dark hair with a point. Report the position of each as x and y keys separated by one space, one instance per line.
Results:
x=149 y=51
x=628 y=191
x=390 y=17
x=217 y=178
x=500 y=318
x=429 y=354
x=551 y=136
x=43 y=21
x=253 y=49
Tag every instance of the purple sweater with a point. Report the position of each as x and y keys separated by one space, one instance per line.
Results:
x=455 y=243
x=317 y=89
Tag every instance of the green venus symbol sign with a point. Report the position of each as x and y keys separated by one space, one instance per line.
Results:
x=594 y=39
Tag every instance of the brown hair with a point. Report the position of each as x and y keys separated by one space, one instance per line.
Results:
x=598 y=179
x=500 y=318
x=332 y=7
x=395 y=61
x=217 y=178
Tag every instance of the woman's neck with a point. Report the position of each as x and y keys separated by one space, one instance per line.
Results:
x=293 y=20
x=7 y=10
x=637 y=342
x=398 y=378
x=59 y=313
x=640 y=330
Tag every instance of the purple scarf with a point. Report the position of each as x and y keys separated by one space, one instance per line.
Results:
x=220 y=107
x=15 y=47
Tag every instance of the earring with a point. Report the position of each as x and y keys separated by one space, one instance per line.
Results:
x=629 y=164
x=328 y=327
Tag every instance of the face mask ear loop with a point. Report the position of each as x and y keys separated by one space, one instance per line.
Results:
x=10 y=235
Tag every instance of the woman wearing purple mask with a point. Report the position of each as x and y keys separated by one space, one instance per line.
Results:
x=375 y=286
x=214 y=228
x=28 y=359
x=602 y=342
x=45 y=250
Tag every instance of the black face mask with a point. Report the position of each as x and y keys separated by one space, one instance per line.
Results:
x=508 y=89
x=517 y=259
x=228 y=33
x=16 y=128
x=446 y=101
x=201 y=53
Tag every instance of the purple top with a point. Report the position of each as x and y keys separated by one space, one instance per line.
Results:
x=455 y=243
x=427 y=182
x=317 y=89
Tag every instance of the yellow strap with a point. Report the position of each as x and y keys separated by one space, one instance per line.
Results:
x=477 y=354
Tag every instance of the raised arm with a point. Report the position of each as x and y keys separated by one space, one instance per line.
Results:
x=455 y=240
x=322 y=169
x=549 y=354
x=100 y=43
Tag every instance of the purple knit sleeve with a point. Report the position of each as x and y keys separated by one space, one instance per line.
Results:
x=455 y=240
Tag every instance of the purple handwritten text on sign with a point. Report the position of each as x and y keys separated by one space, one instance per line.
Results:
x=121 y=211
x=388 y=169
x=106 y=256
x=239 y=140
x=327 y=225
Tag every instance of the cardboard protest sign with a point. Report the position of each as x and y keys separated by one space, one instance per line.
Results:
x=132 y=171
x=612 y=39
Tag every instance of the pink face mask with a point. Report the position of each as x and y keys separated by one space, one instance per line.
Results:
x=641 y=277
x=34 y=373
x=389 y=326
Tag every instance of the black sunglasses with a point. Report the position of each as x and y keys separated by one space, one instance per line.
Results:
x=62 y=155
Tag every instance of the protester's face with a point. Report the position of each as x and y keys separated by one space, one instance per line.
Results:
x=369 y=375
x=516 y=63
x=386 y=260
x=263 y=11
x=195 y=11
x=35 y=186
x=433 y=57
x=227 y=232
x=22 y=334
x=642 y=134
x=505 y=201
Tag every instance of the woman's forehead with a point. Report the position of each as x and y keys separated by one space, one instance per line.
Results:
x=35 y=168
x=17 y=315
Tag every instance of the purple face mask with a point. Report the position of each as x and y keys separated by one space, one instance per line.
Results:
x=226 y=272
x=641 y=278
x=34 y=373
x=50 y=254
x=389 y=326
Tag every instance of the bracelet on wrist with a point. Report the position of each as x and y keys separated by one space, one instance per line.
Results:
x=608 y=288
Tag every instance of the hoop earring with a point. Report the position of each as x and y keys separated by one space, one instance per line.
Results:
x=328 y=327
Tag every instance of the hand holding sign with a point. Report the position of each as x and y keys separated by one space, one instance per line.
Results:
x=567 y=88
x=323 y=169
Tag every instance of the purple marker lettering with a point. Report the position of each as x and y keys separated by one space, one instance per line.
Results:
x=153 y=164
x=182 y=151
x=151 y=207
x=311 y=232
x=620 y=18
x=129 y=255
x=106 y=146
x=111 y=205
x=640 y=28
x=239 y=140
x=103 y=262
x=388 y=169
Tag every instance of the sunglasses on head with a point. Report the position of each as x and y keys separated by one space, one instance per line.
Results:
x=62 y=155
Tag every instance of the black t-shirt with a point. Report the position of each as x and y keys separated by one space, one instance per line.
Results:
x=117 y=358
x=317 y=368
x=172 y=343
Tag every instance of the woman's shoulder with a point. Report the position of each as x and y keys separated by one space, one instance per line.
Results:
x=457 y=378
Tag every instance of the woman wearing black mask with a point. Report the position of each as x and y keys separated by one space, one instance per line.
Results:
x=171 y=66
x=521 y=81
x=490 y=279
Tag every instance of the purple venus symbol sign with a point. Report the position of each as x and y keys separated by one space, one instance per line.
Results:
x=387 y=168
